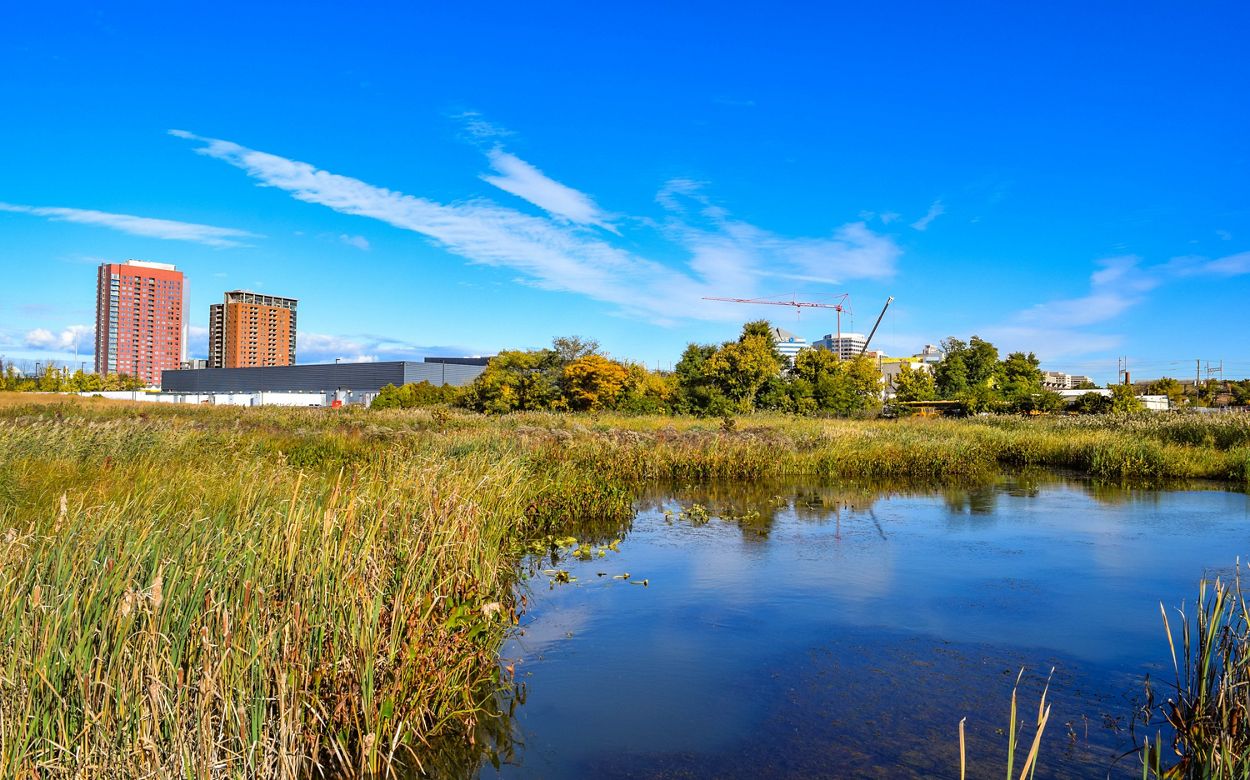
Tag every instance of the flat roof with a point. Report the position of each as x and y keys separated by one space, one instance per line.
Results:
x=150 y=264
x=318 y=377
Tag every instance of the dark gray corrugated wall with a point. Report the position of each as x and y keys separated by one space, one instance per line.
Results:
x=324 y=377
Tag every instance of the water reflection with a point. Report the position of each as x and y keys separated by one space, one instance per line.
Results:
x=805 y=629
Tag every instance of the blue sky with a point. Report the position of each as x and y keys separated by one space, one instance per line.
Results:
x=1070 y=179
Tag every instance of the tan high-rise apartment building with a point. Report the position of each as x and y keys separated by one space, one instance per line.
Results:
x=140 y=319
x=250 y=329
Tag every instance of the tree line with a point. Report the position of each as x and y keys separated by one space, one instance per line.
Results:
x=56 y=379
x=972 y=374
x=750 y=374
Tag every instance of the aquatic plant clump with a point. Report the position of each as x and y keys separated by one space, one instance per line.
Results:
x=1207 y=707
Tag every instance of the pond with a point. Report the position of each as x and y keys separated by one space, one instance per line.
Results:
x=797 y=629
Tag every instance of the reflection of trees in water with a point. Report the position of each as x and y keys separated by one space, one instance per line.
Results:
x=981 y=500
x=1115 y=495
x=755 y=505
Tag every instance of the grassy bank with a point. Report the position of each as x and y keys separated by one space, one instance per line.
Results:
x=214 y=592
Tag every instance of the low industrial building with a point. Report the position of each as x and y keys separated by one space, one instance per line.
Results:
x=1151 y=403
x=315 y=384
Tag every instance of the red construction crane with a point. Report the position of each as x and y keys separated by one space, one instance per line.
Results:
x=799 y=306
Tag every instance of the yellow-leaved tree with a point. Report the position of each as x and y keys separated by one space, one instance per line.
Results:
x=593 y=382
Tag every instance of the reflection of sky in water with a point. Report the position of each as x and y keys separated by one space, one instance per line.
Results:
x=695 y=663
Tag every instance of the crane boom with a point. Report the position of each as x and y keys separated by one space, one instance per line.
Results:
x=876 y=324
x=796 y=304
x=799 y=306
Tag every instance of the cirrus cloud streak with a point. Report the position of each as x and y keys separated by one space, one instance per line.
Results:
x=148 y=227
x=557 y=252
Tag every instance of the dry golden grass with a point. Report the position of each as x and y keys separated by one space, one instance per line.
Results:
x=10 y=400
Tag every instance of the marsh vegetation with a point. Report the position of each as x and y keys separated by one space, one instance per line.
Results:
x=275 y=593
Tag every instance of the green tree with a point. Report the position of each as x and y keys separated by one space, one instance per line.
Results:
x=981 y=358
x=842 y=387
x=740 y=368
x=515 y=380
x=765 y=330
x=413 y=395
x=566 y=349
x=914 y=384
x=647 y=392
x=1173 y=389
x=1021 y=369
x=696 y=393
x=1241 y=392
x=1019 y=385
x=1092 y=403
x=1124 y=399
x=969 y=373
x=951 y=376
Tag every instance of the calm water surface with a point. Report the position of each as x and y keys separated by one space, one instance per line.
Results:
x=844 y=633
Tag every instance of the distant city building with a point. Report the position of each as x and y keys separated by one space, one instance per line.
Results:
x=193 y=364
x=1058 y=380
x=140 y=319
x=847 y=346
x=930 y=354
x=250 y=330
x=788 y=344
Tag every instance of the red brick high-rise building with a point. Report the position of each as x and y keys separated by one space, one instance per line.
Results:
x=140 y=319
x=251 y=329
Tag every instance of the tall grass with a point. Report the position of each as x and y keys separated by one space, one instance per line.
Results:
x=1208 y=709
x=180 y=596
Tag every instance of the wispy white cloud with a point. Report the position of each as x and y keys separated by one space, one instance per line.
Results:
x=1224 y=235
x=148 y=227
x=528 y=183
x=1051 y=342
x=935 y=210
x=740 y=253
x=326 y=348
x=68 y=339
x=1229 y=265
x=1069 y=326
x=479 y=128
x=360 y=242
x=886 y=217
x=1119 y=284
x=726 y=255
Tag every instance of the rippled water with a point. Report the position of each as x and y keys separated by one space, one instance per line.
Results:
x=837 y=632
